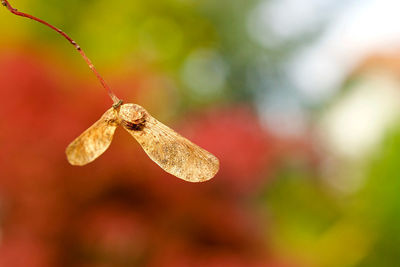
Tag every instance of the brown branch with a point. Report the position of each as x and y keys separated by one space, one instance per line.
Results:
x=114 y=98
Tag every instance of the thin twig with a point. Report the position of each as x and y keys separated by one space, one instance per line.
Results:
x=115 y=99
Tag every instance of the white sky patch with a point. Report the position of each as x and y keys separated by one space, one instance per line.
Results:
x=358 y=122
x=365 y=27
x=277 y=21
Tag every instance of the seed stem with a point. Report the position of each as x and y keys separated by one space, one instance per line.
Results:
x=113 y=97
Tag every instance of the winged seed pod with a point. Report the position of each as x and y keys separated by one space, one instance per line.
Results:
x=172 y=152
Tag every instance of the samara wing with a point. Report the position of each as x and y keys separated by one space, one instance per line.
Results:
x=94 y=141
x=171 y=151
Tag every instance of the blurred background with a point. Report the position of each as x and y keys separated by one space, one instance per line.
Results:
x=299 y=99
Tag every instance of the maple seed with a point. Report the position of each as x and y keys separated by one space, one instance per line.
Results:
x=171 y=151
